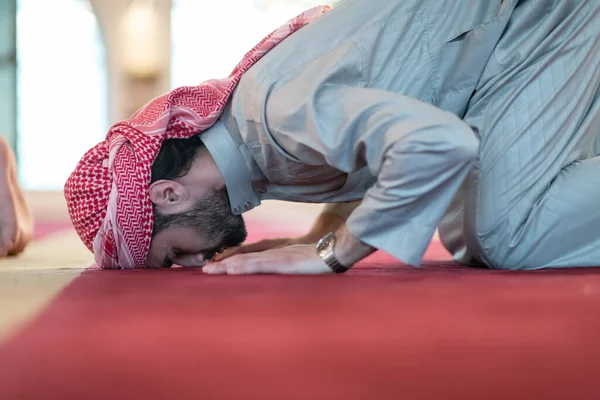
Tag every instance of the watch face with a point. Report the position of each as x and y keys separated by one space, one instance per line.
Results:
x=325 y=242
x=322 y=245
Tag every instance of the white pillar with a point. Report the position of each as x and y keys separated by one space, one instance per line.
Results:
x=126 y=92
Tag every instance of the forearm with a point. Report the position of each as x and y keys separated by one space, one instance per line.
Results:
x=343 y=209
x=332 y=217
x=326 y=222
x=414 y=188
x=349 y=250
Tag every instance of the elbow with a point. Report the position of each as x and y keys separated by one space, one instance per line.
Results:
x=463 y=143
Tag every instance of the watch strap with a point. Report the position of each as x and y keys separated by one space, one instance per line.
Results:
x=335 y=265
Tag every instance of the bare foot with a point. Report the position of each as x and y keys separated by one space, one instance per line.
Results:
x=16 y=221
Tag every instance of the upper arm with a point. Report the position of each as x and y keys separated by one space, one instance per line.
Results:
x=352 y=127
x=299 y=113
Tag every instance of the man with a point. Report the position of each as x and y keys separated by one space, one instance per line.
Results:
x=480 y=117
x=16 y=222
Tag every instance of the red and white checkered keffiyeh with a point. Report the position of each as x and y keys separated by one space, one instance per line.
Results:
x=108 y=193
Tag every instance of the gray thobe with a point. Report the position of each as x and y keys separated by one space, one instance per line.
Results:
x=466 y=113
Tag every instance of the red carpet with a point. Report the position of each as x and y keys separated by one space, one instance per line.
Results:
x=381 y=331
x=44 y=228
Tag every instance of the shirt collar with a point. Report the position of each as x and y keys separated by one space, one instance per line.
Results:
x=233 y=168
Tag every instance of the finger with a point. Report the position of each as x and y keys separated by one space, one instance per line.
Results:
x=259 y=263
x=252 y=248
x=230 y=253
x=239 y=265
x=190 y=260
x=215 y=268
x=291 y=260
x=248 y=266
x=222 y=267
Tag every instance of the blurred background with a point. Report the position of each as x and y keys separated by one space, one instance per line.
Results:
x=71 y=68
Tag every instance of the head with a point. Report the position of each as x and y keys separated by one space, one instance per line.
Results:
x=107 y=193
x=192 y=215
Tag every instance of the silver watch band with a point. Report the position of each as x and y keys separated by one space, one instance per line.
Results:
x=325 y=249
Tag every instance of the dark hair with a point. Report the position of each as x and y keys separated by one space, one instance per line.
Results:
x=175 y=158
x=211 y=214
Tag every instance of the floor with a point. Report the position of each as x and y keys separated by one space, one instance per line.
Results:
x=382 y=331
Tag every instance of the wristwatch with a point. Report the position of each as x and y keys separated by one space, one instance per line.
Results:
x=325 y=251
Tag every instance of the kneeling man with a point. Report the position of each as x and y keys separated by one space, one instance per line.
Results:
x=480 y=118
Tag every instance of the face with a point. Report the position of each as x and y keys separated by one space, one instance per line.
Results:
x=190 y=238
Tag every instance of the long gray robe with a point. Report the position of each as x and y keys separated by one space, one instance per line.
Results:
x=398 y=103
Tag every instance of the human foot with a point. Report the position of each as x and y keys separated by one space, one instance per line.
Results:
x=16 y=221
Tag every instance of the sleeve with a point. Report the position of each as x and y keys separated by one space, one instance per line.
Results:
x=420 y=155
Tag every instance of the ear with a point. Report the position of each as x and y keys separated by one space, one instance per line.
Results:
x=168 y=195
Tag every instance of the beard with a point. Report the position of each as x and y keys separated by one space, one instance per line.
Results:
x=212 y=218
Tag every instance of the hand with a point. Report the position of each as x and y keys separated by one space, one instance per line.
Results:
x=265 y=244
x=325 y=223
x=295 y=259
